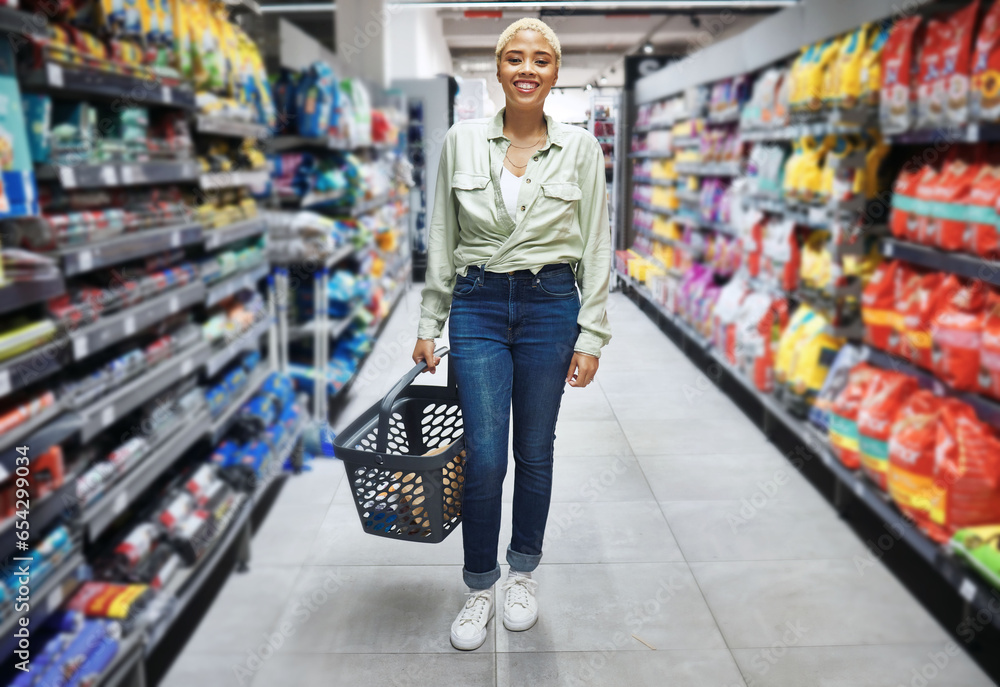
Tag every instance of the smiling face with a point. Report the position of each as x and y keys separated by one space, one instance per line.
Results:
x=527 y=70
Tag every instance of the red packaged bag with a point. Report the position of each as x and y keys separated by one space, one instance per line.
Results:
x=878 y=303
x=952 y=87
x=899 y=65
x=904 y=202
x=985 y=95
x=967 y=472
x=910 y=475
x=917 y=221
x=983 y=200
x=843 y=429
x=958 y=333
x=920 y=305
x=946 y=227
x=886 y=395
x=989 y=354
x=930 y=103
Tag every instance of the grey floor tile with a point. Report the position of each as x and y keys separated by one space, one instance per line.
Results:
x=615 y=667
x=247 y=606
x=761 y=529
x=592 y=478
x=465 y=669
x=317 y=485
x=696 y=435
x=342 y=541
x=584 y=607
x=585 y=404
x=812 y=603
x=928 y=665
x=374 y=609
x=590 y=438
x=282 y=547
x=219 y=670
x=623 y=532
x=722 y=477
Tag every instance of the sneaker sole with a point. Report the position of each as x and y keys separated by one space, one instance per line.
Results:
x=519 y=627
x=467 y=645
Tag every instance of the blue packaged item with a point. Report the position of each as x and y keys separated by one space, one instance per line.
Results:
x=89 y=672
x=65 y=621
x=284 y=90
x=19 y=194
x=80 y=647
x=260 y=409
x=217 y=399
x=235 y=380
x=317 y=100
x=317 y=440
x=225 y=454
x=50 y=653
x=254 y=455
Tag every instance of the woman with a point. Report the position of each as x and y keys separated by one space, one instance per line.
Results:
x=520 y=218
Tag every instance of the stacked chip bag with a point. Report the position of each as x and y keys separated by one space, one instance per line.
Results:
x=910 y=475
x=75 y=658
x=112 y=601
x=843 y=429
x=989 y=355
x=967 y=471
x=918 y=305
x=886 y=395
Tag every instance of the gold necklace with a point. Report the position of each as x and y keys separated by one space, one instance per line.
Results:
x=535 y=145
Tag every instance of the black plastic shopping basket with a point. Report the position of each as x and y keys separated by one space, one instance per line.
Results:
x=405 y=460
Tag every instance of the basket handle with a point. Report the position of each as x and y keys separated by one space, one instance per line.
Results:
x=385 y=409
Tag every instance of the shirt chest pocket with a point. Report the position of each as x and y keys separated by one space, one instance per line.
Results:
x=475 y=199
x=556 y=206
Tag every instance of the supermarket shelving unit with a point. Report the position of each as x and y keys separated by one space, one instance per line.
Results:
x=774 y=40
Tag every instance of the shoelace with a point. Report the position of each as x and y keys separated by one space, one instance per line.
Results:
x=475 y=607
x=521 y=587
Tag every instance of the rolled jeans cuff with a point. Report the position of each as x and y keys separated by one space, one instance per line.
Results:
x=522 y=562
x=481 y=580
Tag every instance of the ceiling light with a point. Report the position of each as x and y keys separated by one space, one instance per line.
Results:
x=298 y=7
x=604 y=80
x=587 y=87
x=648 y=48
x=597 y=4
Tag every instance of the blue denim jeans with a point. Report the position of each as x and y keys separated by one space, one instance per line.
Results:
x=512 y=337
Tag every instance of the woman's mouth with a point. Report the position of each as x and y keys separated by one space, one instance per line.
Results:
x=525 y=86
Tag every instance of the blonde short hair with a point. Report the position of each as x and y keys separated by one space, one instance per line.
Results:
x=530 y=24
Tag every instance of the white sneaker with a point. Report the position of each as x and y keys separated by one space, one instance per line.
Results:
x=520 y=609
x=468 y=632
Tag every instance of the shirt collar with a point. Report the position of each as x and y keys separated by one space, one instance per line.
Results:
x=555 y=129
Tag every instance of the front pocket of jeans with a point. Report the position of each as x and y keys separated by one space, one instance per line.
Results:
x=557 y=287
x=464 y=286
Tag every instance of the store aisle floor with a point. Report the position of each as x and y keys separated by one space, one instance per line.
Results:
x=682 y=550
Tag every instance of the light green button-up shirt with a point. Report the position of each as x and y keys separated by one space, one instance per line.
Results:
x=562 y=217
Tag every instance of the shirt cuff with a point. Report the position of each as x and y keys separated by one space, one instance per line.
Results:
x=589 y=343
x=429 y=329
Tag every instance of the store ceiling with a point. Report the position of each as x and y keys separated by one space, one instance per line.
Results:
x=592 y=44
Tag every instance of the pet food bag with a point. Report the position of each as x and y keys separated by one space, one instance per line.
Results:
x=930 y=103
x=981 y=231
x=918 y=307
x=836 y=381
x=726 y=311
x=878 y=303
x=904 y=201
x=989 y=354
x=810 y=366
x=843 y=430
x=910 y=474
x=985 y=95
x=967 y=472
x=946 y=220
x=952 y=86
x=958 y=333
x=898 y=94
x=759 y=324
x=878 y=411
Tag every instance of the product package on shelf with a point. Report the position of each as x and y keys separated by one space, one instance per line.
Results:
x=884 y=397
x=75 y=651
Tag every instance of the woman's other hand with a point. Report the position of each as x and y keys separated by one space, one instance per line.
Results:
x=424 y=350
x=582 y=369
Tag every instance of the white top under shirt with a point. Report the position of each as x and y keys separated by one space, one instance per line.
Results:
x=510 y=185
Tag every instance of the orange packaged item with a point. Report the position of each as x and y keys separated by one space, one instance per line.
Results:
x=47 y=472
x=886 y=395
x=956 y=64
x=907 y=278
x=981 y=237
x=920 y=305
x=878 y=302
x=985 y=96
x=967 y=472
x=910 y=475
x=843 y=430
x=989 y=354
x=958 y=333
x=930 y=104
x=899 y=91
x=904 y=201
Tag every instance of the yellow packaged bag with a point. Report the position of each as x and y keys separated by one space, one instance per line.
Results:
x=790 y=338
x=831 y=81
x=817 y=263
x=850 y=63
x=811 y=361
